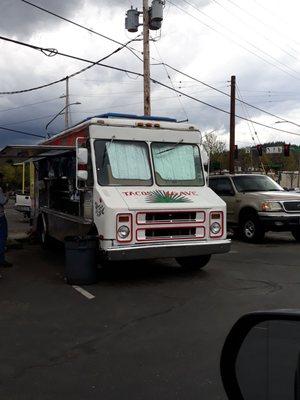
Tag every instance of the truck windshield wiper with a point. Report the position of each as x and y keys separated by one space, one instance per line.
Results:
x=171 y=148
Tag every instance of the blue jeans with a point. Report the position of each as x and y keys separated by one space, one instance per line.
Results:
x=3 y=238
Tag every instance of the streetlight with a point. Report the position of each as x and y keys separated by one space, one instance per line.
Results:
x=68 y=105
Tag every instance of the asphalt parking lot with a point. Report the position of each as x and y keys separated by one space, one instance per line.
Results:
x=151 y=331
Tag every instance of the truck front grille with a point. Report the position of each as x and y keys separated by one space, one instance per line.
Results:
x=292 y=206
x=170 y=233
x=170 y=217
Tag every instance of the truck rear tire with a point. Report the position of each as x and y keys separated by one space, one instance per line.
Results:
x=193 y=263
x=46 y=242
x=251 y=229
x=296 y=234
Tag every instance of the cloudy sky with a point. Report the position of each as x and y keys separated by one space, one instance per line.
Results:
x=257 y=40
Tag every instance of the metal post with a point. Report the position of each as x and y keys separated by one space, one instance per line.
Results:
x=232 y=126
x=67 y=104
x=146 y=53
x=298 y=182
x=23 y=178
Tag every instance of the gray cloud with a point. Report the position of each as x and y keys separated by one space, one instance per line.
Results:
x=20 y=19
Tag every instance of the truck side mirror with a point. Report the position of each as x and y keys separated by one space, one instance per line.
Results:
x=82 y=175
x=82 y=155
x=81 y=166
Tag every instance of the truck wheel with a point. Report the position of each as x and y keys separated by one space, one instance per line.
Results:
x=251 y=229
x=296 y=234
x=45 y=240
x=193 y=263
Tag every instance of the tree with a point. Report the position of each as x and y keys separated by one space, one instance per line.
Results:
x=213 y=145
x=215 y=149
x=12 y=176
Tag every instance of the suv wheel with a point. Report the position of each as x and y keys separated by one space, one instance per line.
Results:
x=296 y=234
x=251 y=229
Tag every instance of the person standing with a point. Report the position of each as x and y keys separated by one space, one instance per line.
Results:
x=3 y=226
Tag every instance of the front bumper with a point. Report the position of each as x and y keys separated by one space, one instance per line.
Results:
x=167 y=250
x=279 y=221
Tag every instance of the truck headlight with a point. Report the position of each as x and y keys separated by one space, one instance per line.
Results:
x=123 y=232
x=271 y=206
x=215 y=228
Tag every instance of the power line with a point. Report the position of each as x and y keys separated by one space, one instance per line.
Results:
x=226 y=94
x=260 y=34
x=264 y=23
x=23 y=133
x=152 y=80
x=30 y=104
x=240 y=45
x=170 y=79
x=55 y=52
x=82 y=27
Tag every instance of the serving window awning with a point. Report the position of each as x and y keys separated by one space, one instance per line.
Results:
x=17 y=154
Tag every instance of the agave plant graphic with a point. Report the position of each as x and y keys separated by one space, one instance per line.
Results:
x=160 y=196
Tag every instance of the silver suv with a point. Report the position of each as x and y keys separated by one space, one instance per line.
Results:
x=257 y=204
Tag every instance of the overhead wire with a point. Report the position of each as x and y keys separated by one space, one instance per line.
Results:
x=29 y=105
x=44 y=50
x=240 y=45
x=260 y=34
x=228 y=95
x=264 y=23
x=81 y=26
x=152 y=80
x=171 y=81
x=17 y=131
x=250 y=124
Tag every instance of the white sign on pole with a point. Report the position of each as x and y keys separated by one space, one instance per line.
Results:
x=248 y=150
x=274 y=150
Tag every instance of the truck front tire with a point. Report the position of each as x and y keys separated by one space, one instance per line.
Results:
x=193 y=263
x=44 y=239
x=251 y=229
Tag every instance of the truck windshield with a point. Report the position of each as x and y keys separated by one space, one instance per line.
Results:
x=255 y=183
x=177 y=164
x=122 y=163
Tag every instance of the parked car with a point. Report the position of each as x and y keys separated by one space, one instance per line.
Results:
x=23 y=203
x=257 y=204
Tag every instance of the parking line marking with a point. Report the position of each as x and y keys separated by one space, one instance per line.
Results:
x=84 y=293
x=233 y=252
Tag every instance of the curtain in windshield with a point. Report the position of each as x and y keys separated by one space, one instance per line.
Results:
x=177 y=164
x=128 y=161
x=122 y=163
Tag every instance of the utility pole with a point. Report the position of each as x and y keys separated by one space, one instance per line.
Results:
x=67 y=104
x=146 y=54
x=152 y=20
x=232 y=125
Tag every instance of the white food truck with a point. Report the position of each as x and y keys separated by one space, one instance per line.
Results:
x=137 y=183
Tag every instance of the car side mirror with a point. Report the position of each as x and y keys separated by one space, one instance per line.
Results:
x=261 y=357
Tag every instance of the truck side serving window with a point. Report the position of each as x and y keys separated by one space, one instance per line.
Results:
x=177 y=164
x=122 y=163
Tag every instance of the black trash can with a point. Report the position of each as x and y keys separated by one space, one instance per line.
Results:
x=81 y=260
